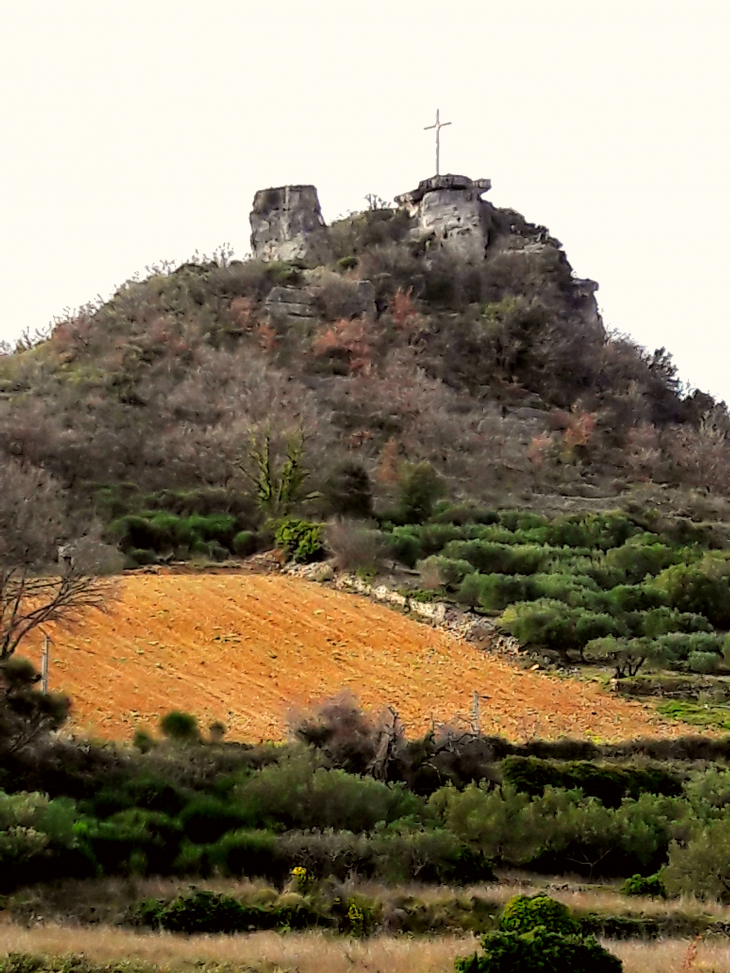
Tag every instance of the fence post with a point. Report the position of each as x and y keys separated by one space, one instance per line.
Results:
x=44 y=665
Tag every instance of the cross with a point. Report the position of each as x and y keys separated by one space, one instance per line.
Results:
x=438 y=126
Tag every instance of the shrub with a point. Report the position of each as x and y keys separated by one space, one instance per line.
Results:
x=539 y=951
x=494 y=592
x=678 y=646
x=640 y=557
x=356 y=545
x=348 y=493
x=437 y=570
x=610 y=785
x=405 y=545
x=538 y=934
x=201 y=912
x=662 y=621
x=180 y=727
x=244 y=543
x=703 y=662
x=557 y=627
x=206 y=818
x=134 y=840
x=524 y=912
x=632 y=598
x=296 y=793
x=248 y=852
x=701 y=589
x=419 y=488
x=495 y=558
x=651 y=885
x=604 y=531
x=300 y=540
x=701 y=866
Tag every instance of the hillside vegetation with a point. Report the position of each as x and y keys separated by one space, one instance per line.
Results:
x=174 y=395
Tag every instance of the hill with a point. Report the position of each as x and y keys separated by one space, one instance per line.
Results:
x=247 y=649
x=386 y=341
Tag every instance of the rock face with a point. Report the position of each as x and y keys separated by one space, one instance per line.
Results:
x=451 y=208
x=290 y=304
x=287 y=224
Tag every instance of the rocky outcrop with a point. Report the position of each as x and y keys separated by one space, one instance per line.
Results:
x=287 y=224
x=451 y=209
x=286 y=304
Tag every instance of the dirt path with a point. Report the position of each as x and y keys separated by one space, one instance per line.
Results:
x=246 y=649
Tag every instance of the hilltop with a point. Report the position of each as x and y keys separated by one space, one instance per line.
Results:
x=451 y=333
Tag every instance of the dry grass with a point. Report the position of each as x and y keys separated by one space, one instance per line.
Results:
x=107 y=900
x=245 y=649
x=317 y=953
x=673 y=956
x=300 y=952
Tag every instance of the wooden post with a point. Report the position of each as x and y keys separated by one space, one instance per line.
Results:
x=44 y=665
x=476 y=713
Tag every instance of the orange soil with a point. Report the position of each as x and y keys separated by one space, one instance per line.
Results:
x=246 y=649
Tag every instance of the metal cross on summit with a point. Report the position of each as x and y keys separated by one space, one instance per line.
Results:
x=438 y=126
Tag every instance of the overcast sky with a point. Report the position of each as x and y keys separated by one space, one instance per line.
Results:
x=136 y=131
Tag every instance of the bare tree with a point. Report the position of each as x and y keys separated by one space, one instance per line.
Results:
x=28 y=602
x=35 y=591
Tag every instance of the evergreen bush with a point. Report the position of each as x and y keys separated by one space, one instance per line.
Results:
x=300 y=540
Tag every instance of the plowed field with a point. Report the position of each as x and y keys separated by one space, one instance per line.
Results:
x=247 y=649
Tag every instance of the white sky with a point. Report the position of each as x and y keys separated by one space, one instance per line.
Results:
x=138 y=130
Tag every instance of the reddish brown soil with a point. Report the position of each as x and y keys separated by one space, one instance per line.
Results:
x=246 y=649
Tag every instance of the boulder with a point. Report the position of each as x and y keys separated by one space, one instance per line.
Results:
x=287 y=225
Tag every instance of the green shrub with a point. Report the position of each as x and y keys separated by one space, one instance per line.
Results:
x=493 y=558
x=134 y=840
x=515 y=520
x=703 y=662
x=662 y=621
x=494 y=592
x=180 y=727
x=609 y=784
x=419 y=488
x=300 y=540
x=701 y=865
x=143 y=741
x=650 y=885
x=603 y=531
x=575 y=590
x=555 y=626
x=702 y=589
x=465 y=513
x=205 y=818
x=538 y=935
x=201 y=912
x=244 y=543
x=253 y=853
x=641 y=556
x=138 y=557
x=405 y=545
x=524 y=912
x=678 y=646
x=296 y=793
x=539 y=951
x=633 y=598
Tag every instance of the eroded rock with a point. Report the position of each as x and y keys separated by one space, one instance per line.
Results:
x=451 y=209
x=287 y=224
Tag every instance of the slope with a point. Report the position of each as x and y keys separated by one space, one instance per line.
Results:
x=249 y=648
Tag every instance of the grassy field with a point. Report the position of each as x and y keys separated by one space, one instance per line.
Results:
x=267 y=952
x=247 y=649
